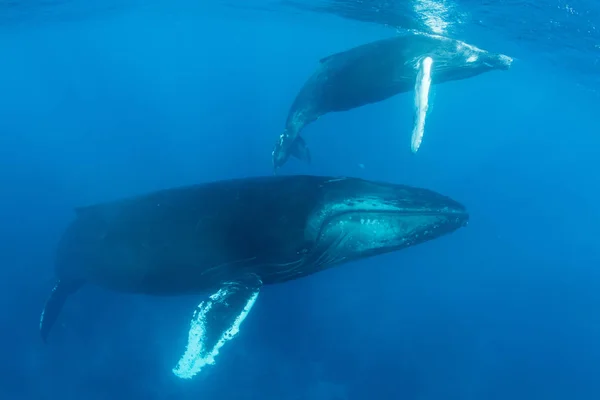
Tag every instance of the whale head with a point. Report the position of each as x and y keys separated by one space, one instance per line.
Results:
x=469 y=61
x=454 y=59
x=494 y=60
x=362 y=218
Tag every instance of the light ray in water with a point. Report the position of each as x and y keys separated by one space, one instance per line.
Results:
x=434 y=14
x=422 y=86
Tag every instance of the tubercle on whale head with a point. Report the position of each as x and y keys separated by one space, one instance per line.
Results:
x=459 y=60
x=454 y=54
x=497 y=61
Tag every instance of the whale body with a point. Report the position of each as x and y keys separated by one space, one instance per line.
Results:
x=374 y=72
x=227 y=239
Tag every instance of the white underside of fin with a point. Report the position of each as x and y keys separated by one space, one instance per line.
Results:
x=198 y=352
x=422 y=86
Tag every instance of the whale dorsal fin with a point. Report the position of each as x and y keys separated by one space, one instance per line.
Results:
x=327 y=58
x=216 y=321
x=335 y=55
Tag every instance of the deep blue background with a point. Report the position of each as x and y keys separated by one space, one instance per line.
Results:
x=149 y=98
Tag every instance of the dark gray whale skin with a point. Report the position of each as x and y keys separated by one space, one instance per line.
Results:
x=193 y=239
x=374 y=72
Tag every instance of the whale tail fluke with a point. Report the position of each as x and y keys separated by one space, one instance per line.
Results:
x=61 y=291
x=300 y=150
x=287 y=146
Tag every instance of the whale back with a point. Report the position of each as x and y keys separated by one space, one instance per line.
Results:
x=375 y=71
x=189 y=239
x=364 y=74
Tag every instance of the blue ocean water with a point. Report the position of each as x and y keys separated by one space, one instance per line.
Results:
x=101 y=100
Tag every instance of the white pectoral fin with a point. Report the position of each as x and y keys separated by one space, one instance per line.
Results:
x=422 y=86
x=216 y=321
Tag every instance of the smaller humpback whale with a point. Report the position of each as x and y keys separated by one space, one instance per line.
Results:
x=376 y=71
x=227 y=239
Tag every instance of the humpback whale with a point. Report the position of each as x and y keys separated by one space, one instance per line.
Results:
x=376 y=71
x=227 y=239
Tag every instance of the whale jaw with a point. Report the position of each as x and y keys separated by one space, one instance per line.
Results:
x=398 y=217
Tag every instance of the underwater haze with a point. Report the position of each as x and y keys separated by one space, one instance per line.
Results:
x=105 y=100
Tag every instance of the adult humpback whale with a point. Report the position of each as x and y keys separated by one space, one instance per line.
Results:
x=229 y=238
x=376 y=71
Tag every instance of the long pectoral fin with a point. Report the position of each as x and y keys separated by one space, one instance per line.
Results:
x=61 y=291
x=216 y=321
x=422 y=86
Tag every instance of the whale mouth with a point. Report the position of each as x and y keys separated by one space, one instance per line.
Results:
x=460 y=216
x=404 y=220
x=373 y=218
x=361 y=232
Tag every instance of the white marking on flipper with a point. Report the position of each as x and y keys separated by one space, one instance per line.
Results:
x=422 y=85
x=197 y=353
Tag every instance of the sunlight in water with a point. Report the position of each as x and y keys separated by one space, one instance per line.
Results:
x=433 y=13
